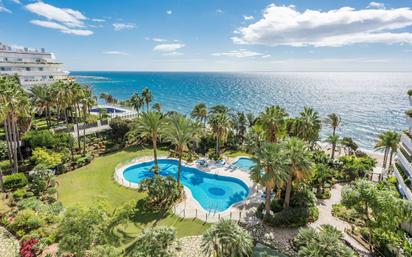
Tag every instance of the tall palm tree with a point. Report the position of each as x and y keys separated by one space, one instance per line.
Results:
x=270 y=160
x=239 y=122
x=87 y=102
x=309 y=125
x=157 y=107
x=273 y=121
x=333 y=140
x=220 y=108
x=200 y=112
x=137 y=102
x=387 y=141
x=220 y=125
x=15 y=105
x=104 y=96
x=333 y=120
x=180 y=132
x=226 y=238
x=299 y=161
x=150 y=126
x=43 y=100
x=147 y=96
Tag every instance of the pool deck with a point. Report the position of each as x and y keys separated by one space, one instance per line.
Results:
x=190 y=207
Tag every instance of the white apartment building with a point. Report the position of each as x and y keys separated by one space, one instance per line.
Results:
x=403 y=163
x=33 y=66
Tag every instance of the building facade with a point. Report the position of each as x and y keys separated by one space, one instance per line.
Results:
x=402 y=167
x=33 y=66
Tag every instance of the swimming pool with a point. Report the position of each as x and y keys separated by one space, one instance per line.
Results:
x=213 y=192
x=244 y=163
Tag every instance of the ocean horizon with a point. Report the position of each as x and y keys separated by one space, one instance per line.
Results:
x=368 y=102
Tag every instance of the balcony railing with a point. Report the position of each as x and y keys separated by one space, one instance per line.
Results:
x=403 y=158
x=407 y=141
x=406 y=190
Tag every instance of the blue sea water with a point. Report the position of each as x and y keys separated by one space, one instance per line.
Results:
x=368 y=102
x=213 y=192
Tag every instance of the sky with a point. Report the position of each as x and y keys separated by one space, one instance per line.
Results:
x=214 y=35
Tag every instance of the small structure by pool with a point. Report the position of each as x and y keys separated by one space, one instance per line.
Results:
x=112 y=111
x=244 y=163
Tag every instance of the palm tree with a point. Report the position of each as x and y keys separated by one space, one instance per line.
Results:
x=308 y=125
x=273 y=121
x=150 y=125
x=157 y=107
x=147 y=96
x=87 y=103
x=220 y=108
x=200 y=112
x=104 y=96
x=180 y=132
x=240 y=126
x=227 y=238
x=220 y=124
x=15 y=105
x=43 y=99
x=299 y=161
x=270 y=159
x=333 y=140
x=136 y=102
x=388 y=142
x=333 y=120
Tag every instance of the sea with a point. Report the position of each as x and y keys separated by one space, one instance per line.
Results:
x=368 y=102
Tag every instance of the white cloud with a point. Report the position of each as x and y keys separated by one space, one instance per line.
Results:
x=239 y=53
x=168 y=48
x=173 y=54
x=123 y=26
x=159 y=40
x=115 y=53
x=248 y=18
x=219 y=11
x=69 y=17
x=16 y=1
x=98 y=20
x=376 y=5
x=266 y=56
x=283 y=25
x=169 y=12
x=62 y=28
x=4 y=9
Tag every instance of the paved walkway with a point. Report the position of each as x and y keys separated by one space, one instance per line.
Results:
x=9 y=246
x=326 y=217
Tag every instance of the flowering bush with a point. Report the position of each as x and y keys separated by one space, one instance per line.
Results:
x=28 y=249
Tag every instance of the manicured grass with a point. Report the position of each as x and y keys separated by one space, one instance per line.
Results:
x=233 y=154
x=95 y=182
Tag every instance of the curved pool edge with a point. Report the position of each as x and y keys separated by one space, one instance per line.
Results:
x=190 y=207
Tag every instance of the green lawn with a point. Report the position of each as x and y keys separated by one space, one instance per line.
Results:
x=95 y=182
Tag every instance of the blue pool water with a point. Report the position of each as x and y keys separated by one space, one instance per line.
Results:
x=244 y=163
x=108 y=109
x=213 y=192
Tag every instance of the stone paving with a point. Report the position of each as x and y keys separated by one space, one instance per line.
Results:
x=190 y=247
x=9 y=246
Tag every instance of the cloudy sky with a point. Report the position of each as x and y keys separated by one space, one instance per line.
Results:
x=215 y=35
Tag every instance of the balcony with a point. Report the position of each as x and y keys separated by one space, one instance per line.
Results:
x=405 y=160
x=406 y=141
x=403 y=187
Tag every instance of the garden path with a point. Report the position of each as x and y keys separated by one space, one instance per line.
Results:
x=326 y=217
x=9 y=246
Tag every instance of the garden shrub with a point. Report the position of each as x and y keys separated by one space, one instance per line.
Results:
x=28 y=248
x=3 y=150
x=39 y=138
x=15 y=181
x=155 y=242
x=162 y=192
x=303 y=198
x=119 y=129
x=293 y=217
x=39 y=179
x=26 y=220
x=30 y=203
x=46 y=158
x=19 y=194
